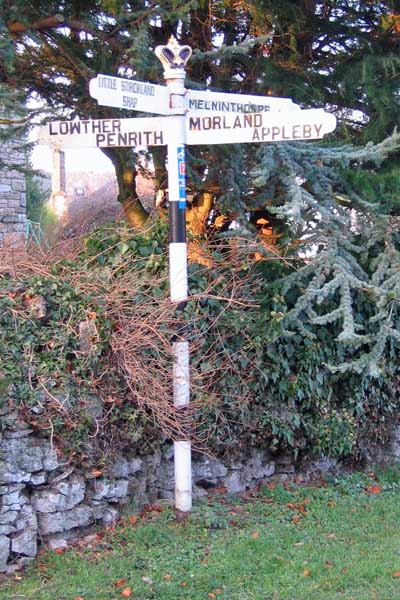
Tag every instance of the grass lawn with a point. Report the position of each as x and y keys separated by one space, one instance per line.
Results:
x=341 y=541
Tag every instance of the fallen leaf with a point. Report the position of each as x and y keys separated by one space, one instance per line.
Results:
x=330 y=535
x=183 y=584
x=344 y=570
x=133 y=519
x=147 y=580
x=217 y=591
x=299 y=544
x=329 y=564
x=307 y=500
x=396 y=574
x=59 y=550
x=96 y=473
x=301 y=508
x=306 y=573
x=120 y=583
x=296 y=518
x=126 y=592
x=374 y=489
x=211 y=595
x=167 y=577
x=79 y=598
x=255 y=535
x=331 y=503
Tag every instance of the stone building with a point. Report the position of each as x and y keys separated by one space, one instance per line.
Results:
x=12 y=196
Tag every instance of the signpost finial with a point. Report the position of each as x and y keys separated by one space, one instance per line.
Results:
x=173 y=55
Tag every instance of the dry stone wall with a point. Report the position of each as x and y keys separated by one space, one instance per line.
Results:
x=44 y=499
x=12 y=196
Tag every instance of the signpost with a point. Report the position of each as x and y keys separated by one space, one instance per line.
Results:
x=151 y=98
x=105 y=133
x=235 y=128
x=190 y=117
x=219 y=102
x=130 y=94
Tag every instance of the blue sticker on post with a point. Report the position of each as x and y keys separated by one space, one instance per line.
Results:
x=182 y=176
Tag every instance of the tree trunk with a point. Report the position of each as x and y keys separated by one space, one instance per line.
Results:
x=126 y=172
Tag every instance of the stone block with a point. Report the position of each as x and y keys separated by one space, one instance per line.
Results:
x=233 y=482
x=18 y=185
x=110 y=490
x=208 y=469
x=81 y=516
x=135 y=465
x=25 y=541
x=7 y=516
x=14 y=498
x=5 y=187
x=38 y=479
x=62 y=496
x=4 y=551
x=57 y=544
x=120 y=468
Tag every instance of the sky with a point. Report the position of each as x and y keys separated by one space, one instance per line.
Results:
x=88 y=159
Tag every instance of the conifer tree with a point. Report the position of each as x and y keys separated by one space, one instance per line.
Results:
x=339 y=54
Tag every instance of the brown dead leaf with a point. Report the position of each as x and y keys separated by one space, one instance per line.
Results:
x=331 y=503
x=374 y=489
x=396 y=574
x=167 y=577
x=183 y=584
x=255 y=535
x=133 y=519
x=307 y=500
x=120 y=583
x=211 y=595
x=344 y=570
x=330 y=535
x=126 y=592
x=306 y=573
x=296 y=518
x=59 y=551
x=329 y=564
x=96 y=473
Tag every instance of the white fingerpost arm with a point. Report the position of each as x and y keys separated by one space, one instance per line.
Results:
x=173 y=58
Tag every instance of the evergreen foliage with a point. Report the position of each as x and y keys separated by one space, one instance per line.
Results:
x=325 y=343
x=253 y=383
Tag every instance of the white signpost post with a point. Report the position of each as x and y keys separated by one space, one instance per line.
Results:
x=194 y=118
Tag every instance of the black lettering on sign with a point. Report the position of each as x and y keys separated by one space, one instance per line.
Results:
x=287 y=132
x=129 y=101
x=129 y=139
x=108 y=83
x=194 y=124
x=224 y=122
x=137 y=87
